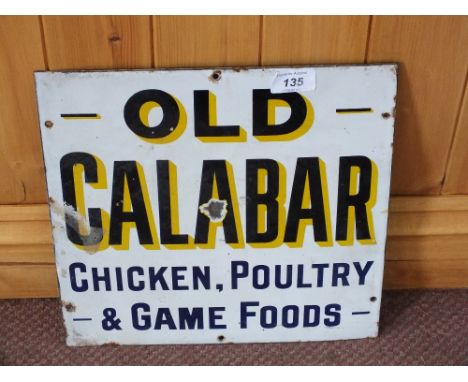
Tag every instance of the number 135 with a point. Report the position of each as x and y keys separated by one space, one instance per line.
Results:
x=292 y=82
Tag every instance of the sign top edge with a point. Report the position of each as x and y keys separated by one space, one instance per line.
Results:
x=387 y=65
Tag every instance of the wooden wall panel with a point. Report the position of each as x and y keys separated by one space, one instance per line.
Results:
x=194 y=41
x=30 y=254
x=21 y=163
x=314 y=39
x=25 y=235
x=433 y=61
x=428 y=203
x=428 y=223
x=456 y=178
x=29 y=232
x=425 y=274
x=98 y=42
x=26 y=281
x=428 y=248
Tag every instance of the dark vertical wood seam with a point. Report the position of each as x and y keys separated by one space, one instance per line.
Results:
x=369 y=34
x=156 y=40
x=43 y=42
x=463 y=97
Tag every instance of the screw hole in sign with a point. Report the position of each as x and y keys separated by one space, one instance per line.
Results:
x=216 y=75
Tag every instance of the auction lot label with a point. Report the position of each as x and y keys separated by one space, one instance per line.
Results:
x=214 y=206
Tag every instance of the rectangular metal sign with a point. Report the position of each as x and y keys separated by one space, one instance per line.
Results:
x=214 y=206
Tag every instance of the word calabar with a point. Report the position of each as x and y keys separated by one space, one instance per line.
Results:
x=269 y=222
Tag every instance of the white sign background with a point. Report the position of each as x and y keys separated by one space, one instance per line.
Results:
x=331 y=136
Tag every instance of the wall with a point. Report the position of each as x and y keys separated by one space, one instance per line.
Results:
x=428 y=232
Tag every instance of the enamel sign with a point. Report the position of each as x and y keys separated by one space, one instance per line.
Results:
x=215 y=206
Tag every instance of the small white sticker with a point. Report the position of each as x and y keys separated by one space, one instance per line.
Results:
x=291 y=80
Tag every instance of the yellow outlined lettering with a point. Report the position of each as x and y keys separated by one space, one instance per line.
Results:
x=271 y=118
x=127 y=207
x=353 y=190
x=213 y=226
x=174 y=200
x=370 y=204
x=83 y=225
x=307 y=203
x=262 y=210
x=213 y=118
x=178 y=130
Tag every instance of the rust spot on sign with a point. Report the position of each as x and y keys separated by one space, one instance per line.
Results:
x=215 y=210
x=69 y=307
x=81 y=225
x=215 y=76
x=239 y=69
x=386 y=115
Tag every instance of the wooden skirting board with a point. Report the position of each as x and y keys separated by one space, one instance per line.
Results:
x=426 y=247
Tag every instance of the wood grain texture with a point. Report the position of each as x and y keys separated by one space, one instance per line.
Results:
x=301 y=40
x=28 y=281
x=194 y=41
x=456 y=177
x=428 y=203
x=21 y=163
x=433 y=62
x=428 y=223
x=98 y=42
x=424 y=248
x=25 y=232
x=28 y=212
x=35 y=253
x=426 y=274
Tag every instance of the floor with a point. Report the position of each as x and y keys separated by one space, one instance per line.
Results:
x=419 y=327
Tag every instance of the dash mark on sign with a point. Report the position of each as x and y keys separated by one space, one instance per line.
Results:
x=358 y=110
x=81 y=116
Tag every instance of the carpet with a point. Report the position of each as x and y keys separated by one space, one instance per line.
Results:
x=418 y=327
